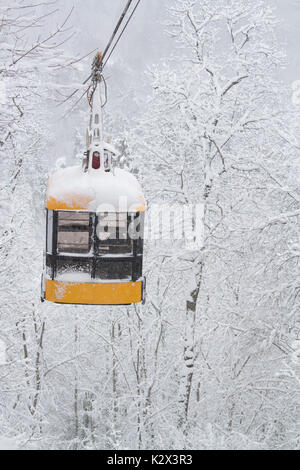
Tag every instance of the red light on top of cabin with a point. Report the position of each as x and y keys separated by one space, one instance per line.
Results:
x=96 y=161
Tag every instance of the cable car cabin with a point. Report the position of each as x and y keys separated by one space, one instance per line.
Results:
x=94 y=241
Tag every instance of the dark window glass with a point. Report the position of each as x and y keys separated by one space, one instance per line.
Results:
x=112 y=231
x=73 y=232
x=73 y=218
x=48 y=264
x=73 y=242
x=140 y=230
x=138 y=269
x=113 y=270
x=72 y=266
x=136 y=230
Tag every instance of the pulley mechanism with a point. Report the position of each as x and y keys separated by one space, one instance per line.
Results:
x=97 y=67
x=100 y=59
x=97 y=78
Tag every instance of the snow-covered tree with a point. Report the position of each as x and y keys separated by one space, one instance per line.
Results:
x=212 y=136
x=29 y=59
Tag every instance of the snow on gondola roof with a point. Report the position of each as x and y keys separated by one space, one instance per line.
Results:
x=97 y=191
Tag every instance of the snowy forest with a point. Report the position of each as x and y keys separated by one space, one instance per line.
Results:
x=203 y=107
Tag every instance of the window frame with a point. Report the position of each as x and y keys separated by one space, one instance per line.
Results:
x=98 y=242
x=74 y=229
x=94 y=256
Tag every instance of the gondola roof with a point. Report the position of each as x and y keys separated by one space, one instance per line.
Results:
x=72 y=189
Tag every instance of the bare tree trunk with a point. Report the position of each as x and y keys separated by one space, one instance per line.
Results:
x=39 y=339
x=115 y=333
x=188 y=355
x=191 y=307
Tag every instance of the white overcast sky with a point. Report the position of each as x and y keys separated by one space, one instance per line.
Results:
x=145 y=43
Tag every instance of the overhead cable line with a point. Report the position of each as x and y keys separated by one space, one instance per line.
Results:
x=117 y=28
x=121 y=34
x=106 y=50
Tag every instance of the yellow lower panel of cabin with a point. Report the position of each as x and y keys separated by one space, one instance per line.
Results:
x=115 y=293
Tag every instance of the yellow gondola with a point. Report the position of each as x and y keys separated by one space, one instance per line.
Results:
x=94 y=227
